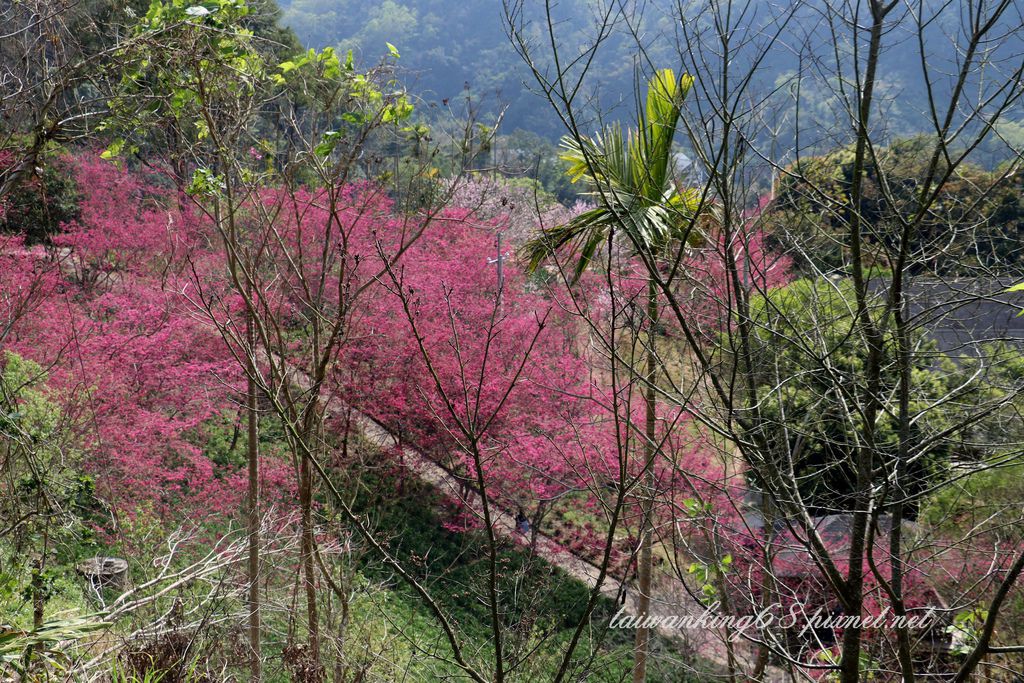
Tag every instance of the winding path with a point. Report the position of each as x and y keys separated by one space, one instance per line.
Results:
x=668 y=599
x=665 y=602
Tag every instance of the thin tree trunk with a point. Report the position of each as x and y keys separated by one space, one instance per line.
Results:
x=853 y=591
x=38 y=596
x=645 y=561
x=904 y=651
x=255 y=655
x=308 y=568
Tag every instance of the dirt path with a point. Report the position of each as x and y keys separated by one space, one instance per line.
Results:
x=668 y=599
x=664 y=602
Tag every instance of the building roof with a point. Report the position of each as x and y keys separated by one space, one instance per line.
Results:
x=960 y=314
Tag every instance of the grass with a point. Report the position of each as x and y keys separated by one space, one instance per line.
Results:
x=391 y=634
x=539 y=603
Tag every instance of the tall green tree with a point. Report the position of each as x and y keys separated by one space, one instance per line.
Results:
x=638 y=204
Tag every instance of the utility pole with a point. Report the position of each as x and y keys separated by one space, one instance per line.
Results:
x=501 y=264
x=500 y=261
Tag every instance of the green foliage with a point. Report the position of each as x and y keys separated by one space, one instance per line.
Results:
x=706 y=575
x=987 y=496
x=205 y=183
x=537 y=159
x=966 y=629
x=1019 y=287
x=539 y=602
x=42 y=202
x=202 y=78
x=800 y=384
x=45 y=501
x=48 y=642
x=33 y=435
x=975 y=498
x=978 y=217
x=629 y=176
x=187 y=61
x=223 y=440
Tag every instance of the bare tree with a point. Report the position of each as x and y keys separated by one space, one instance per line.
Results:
x=305 y=233
x=762 y=372
x=53 y=63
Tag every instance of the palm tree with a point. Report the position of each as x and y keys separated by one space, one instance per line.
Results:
x=638 y=204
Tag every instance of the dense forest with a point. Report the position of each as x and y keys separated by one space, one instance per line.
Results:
x=448 y=47
x=511 y=341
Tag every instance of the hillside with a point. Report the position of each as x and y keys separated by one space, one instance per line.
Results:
x=447 y=46
x=310 y=372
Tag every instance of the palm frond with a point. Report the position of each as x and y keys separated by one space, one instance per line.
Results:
x=657 y=128
x=581 y=236
x=48 y=640
x=628 y=175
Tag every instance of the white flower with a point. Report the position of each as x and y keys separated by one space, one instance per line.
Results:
x=197 y=11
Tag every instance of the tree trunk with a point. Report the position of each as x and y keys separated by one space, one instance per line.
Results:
x=308 y=568
x=852 y=594
x=645 y=560
x=255 y=656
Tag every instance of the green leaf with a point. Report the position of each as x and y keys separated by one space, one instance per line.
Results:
x=205 y=182
x=393 y=50
x=113 y=150
x=327 y=144
x=627 y=172
x=202 y=129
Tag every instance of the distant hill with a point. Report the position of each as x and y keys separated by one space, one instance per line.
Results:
x=446 y=45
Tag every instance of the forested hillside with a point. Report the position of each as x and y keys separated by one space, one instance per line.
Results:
x=592 y=341
x=446 y=46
